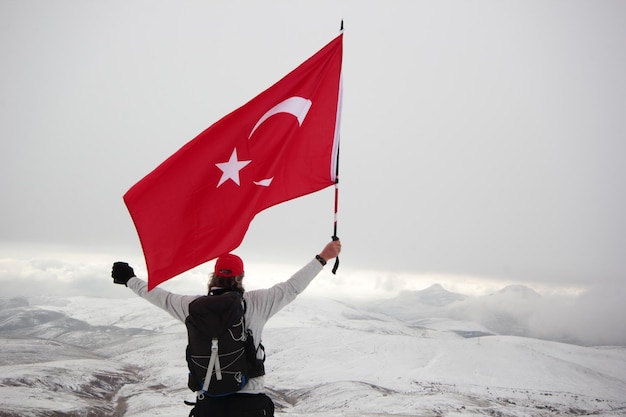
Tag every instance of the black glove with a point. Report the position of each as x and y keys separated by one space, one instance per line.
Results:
x=121 y=273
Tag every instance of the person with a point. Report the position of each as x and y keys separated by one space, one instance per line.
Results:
x=261 y=304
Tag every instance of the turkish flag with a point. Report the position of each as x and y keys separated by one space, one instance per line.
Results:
x=282 y=144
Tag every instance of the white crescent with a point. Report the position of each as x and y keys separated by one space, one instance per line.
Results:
x=296 y=106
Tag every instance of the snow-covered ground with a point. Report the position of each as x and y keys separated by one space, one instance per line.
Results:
x=111 y=357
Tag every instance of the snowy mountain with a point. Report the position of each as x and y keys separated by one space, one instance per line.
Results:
x=411 y=306
x=517 y=291
x=104 y=357
x=515 y=310
x=435 y=295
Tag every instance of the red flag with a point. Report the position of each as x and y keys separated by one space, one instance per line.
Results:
x=198 y=204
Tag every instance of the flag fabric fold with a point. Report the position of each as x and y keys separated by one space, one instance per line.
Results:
x=282 y=144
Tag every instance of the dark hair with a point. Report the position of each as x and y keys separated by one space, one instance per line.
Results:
x=227 y=283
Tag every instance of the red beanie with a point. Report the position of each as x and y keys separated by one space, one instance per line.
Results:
x=229 y=266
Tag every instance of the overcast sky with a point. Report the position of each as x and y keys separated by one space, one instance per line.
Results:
x=481 y=140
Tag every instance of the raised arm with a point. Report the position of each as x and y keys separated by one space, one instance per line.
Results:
x=176 y=305
x=269 y=301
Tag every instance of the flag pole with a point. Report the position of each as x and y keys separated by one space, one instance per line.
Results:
x=335 y=237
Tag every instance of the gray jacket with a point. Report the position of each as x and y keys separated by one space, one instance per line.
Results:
x=260 y=305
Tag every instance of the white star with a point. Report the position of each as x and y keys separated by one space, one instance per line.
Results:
x=230 y=169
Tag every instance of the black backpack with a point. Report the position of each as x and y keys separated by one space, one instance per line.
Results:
x=220 y=352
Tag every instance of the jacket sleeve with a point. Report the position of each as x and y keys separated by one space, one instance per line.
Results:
x=269 y=301
x=175 y=304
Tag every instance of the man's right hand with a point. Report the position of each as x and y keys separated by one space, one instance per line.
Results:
x=121 y=273
x=331 y=250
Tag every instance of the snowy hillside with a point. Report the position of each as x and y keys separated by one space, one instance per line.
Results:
x=101 y=357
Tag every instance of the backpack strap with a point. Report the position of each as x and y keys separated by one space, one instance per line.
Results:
x=214 y=363
x=249 y=332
